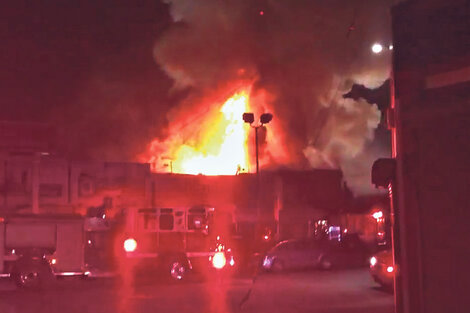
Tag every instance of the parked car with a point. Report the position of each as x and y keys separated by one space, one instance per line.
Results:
x=382 y=269
x=309 y=253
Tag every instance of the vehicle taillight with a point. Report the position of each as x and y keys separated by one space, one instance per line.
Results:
x=390 y=269
x=219 y=260
x=130 y=245
x=373 y=261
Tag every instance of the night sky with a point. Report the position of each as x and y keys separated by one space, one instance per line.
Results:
x=109 y=74
x=86 y=67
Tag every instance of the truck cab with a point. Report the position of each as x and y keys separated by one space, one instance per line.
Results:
x=177 y=239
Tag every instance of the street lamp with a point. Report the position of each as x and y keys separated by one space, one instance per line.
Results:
x=249 y=118
x=265 y=118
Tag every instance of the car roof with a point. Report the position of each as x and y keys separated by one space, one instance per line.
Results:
x=290 y=241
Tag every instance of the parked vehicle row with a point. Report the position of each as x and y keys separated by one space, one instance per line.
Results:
x=174 y=241
x=310 y=253
x=348 y=252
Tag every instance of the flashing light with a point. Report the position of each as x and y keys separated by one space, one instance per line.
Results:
x=377 y=48
x=373 y=261
x=266 y=237
x=54 y=261
x=377 y=215
x=219 y=261
x=390 y=47
x=130 y=245
x=232 y=262
x=390 y=269
x=345 y=230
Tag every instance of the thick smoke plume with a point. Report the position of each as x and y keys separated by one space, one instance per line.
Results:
x=304 y=54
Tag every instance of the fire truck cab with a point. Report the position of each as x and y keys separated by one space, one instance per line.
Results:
x=176 y=240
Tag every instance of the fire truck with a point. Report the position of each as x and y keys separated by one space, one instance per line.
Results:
x=35 y=249
x=177 y=240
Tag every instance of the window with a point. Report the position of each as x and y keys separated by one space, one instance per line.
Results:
x=148 y=219
x=196 y=221
x=166 y=222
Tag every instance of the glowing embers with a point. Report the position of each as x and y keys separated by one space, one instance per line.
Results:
x=222 y=147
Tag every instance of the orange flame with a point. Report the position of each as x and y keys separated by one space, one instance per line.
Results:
x=218 y=148
x=223 y=149
x=214 y=141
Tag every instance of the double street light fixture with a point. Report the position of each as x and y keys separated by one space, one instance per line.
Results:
x=265 y=118
x=249 y=118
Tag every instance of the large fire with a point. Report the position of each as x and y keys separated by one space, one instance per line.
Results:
x=223 y=149
x=216 y=146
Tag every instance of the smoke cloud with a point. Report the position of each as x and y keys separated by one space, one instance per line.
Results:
x=305 y=54
x=101 y=74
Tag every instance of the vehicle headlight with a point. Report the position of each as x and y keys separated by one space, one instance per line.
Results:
x=373 y=261
x=267 y=262
x=219 y=260
x=130 y=245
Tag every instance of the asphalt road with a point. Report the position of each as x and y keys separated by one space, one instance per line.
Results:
x=345 y=291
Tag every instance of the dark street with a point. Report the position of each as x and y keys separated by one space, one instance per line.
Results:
x=344 y=291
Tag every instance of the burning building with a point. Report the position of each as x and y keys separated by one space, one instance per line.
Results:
x=283 y=201
x=226 y=59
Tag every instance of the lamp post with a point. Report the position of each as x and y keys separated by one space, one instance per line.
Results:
x=265 y=118
x=249 y=118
